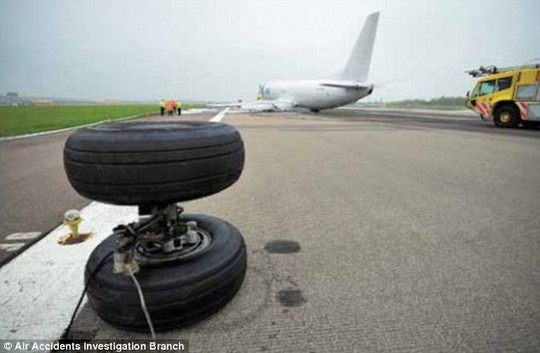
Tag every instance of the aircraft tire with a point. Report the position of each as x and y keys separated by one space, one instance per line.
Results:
x=176 y=294
x=139 y=163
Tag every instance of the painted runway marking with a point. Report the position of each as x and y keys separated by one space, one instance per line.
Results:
x=196 y=111
x=10 y=247
x=219 y=116
x=23 y=236
x=45 y=281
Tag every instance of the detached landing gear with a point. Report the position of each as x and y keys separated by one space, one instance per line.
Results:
x=187 y=266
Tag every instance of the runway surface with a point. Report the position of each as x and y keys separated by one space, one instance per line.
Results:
x=411 y=234
x=414 y=236
x=34 y=190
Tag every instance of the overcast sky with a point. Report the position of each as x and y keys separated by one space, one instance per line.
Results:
x=222 y=50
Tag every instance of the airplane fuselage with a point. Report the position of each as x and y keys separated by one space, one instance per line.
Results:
x=345 y=87
x=312 y=94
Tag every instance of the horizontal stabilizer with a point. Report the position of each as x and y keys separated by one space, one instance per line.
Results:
x=352 y=85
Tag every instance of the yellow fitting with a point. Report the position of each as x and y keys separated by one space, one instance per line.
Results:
x=74 y=226
x=72 y=219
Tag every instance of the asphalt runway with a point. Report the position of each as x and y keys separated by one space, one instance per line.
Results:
x=405 y=235
x=34 y=191
x=33 y=188
x=443 y=120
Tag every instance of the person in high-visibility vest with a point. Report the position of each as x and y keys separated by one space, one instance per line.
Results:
x=179 y=107
x=169 y=105
x=162 y=106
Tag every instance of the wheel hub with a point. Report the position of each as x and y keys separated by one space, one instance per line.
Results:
x=154 y=253
x=505 y=117
x=158 y=237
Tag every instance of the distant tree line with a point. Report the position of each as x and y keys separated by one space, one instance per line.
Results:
x=441 y=102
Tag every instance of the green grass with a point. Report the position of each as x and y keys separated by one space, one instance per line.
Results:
x=28 y=119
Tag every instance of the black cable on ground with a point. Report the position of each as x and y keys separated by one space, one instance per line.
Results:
x=65 y=334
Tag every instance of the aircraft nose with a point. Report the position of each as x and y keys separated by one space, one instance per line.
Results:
x=370 y=90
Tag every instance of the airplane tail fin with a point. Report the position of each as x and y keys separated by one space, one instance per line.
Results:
x=357 y=67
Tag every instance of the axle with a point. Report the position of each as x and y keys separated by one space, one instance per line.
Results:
x=157 y=236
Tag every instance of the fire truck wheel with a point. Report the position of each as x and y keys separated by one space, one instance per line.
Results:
x=176 y=294
x=506 y=116
x=137 y=163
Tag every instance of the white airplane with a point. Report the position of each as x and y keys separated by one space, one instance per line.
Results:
x=344 y=88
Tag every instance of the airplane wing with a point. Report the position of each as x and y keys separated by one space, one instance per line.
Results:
x=278 y=105
x=224 y=105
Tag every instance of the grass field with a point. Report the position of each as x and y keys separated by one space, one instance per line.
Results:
x=28 y=119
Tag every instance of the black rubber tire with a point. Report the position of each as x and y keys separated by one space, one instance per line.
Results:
x=176 y=295
x=138 y=163
x=513 y=111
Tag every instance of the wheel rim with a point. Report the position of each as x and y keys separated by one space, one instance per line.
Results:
x=145 y=258
x=505 y=117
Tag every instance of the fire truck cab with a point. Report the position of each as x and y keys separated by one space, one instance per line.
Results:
x=507 y=96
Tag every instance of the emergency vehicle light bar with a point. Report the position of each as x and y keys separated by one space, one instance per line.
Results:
x=483 y=71
x=492 y=69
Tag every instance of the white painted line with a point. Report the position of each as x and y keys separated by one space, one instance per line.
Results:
x=40 y=287
x=66 y=129
x=220 y=115
x=196 y=111
x=10 y=247
x=23 y=236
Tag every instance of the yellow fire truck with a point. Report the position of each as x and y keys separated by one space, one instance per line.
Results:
x=508 y=96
